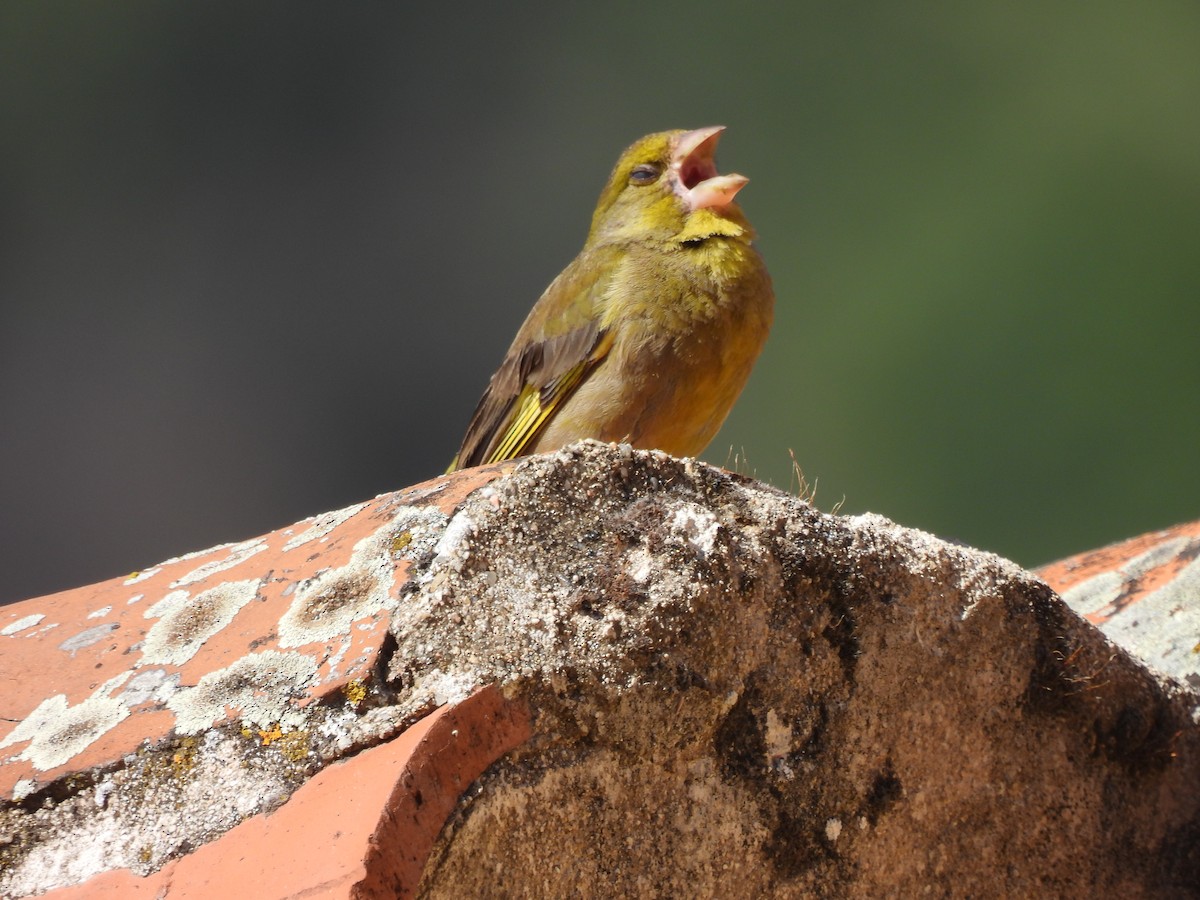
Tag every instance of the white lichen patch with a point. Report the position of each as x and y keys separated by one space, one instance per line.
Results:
x=103 y=789
x=325 y=607
x=22 y=624
x=185 y=626
x=833 y=830
x=193 y=554
x=112 y=684
x=641 y=565
x=260 y=686
x=145 y=574
x=445 y=687
x=238 y=554
x=452 y=548
x=323 y=525
x=167 y=605
x=698 y=526
x=56 y=732
x=151 y=686
x=87 y=637
x=99 y=613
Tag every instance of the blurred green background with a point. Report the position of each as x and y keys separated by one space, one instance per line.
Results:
x=258 y=260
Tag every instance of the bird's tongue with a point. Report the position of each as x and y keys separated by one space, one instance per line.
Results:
x=696 y=175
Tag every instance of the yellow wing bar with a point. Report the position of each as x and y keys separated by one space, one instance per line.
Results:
x=532 y=409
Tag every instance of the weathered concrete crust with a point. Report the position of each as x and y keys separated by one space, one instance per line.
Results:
x=731 y=694
x=736 y=695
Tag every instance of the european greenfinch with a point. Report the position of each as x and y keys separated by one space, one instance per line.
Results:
x=649 y=335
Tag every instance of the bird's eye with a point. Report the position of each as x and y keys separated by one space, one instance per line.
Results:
x=646 y=173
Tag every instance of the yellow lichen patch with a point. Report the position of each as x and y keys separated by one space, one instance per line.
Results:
x=274 y=734
x=161 y=767
x=184 y=757
x=355 y=691
x=294 y=745
x=401 y=541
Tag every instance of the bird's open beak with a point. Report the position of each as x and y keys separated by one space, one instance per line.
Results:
x=695 y=171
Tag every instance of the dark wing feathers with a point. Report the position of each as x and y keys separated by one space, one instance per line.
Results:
x=556 y=349
x=525 y=392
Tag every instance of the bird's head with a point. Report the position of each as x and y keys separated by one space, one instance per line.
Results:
x=666 y=187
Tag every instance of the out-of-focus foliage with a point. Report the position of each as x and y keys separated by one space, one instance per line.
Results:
x=259 y=261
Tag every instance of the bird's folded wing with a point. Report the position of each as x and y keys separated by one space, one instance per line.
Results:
x=526 y=392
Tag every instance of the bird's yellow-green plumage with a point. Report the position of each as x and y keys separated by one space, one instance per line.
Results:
x=650 y=333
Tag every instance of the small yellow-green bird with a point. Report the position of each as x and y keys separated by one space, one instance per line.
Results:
x=648 y=336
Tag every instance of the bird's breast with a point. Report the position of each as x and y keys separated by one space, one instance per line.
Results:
x=687 y=330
